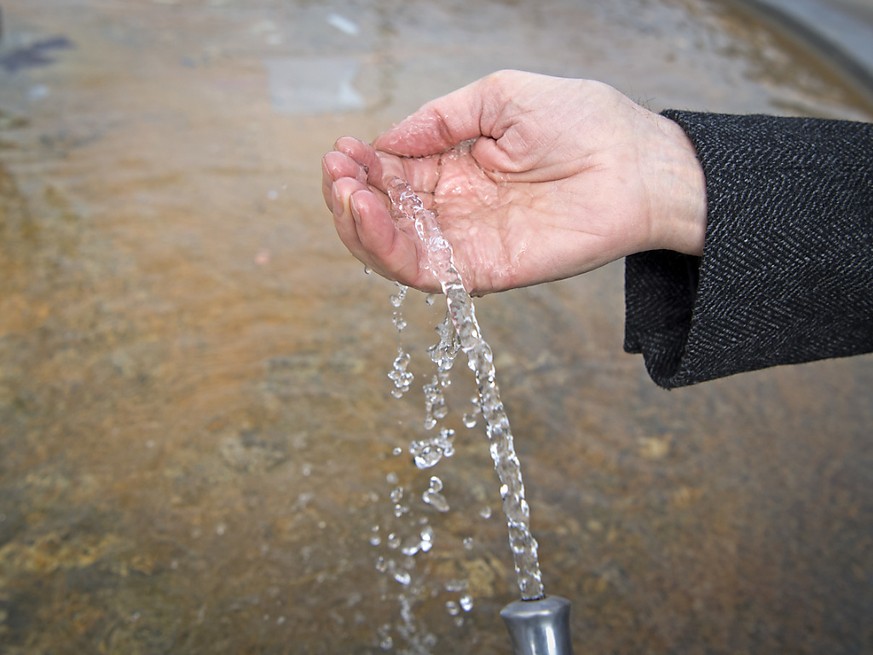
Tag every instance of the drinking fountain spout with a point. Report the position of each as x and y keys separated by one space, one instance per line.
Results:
x=539 y=627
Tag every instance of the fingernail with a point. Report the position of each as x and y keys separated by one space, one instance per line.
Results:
x=325 y=169
x=337 y=204
x=354 y=207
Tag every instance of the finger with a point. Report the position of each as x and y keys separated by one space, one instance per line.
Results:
x=391 y=251
x=422 y=174
x=366 y=164
x=336 y=165
x=366 y=228
x=364 y=155
x=498 y=156
x=343 y=219
x=347 y=223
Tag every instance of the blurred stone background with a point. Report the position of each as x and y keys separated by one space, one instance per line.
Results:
x=196 y=435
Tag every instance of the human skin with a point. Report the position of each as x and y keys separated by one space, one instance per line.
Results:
x=533 y=179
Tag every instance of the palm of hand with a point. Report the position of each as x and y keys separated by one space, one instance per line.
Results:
x=511 y=229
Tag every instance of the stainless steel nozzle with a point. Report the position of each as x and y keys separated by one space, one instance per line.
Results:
x=539 y=627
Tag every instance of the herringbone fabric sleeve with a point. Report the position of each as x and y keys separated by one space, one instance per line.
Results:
x=787 y=269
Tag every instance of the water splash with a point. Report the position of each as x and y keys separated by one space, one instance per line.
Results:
x=428 y=452
x=396 y=301
x=411 y=214
x=399 y=375
x=399 y=548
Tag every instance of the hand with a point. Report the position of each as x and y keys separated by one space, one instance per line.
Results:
x=533 y=179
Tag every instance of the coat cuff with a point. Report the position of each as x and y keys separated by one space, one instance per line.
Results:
x=787 y=269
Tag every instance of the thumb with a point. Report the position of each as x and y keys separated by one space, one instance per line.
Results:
x=443 y=123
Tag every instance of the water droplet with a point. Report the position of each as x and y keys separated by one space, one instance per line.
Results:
x=456 y=585
x=411 y=547
x=430 y=298
x=397 y=451
x=384 y=635
x=403 y=577
x=398 y=298
x=433 y=497
x=426 y=455
x=485 y=512
x=466 y=603
x=468 y=543
x=452 y=608
x=367 y=270
x=436 y=500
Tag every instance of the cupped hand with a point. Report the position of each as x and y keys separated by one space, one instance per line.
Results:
x=533 y=178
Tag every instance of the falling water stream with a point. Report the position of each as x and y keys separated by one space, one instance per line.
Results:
x=410 y=212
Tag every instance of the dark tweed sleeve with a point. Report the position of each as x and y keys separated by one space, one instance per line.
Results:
x=787 y=269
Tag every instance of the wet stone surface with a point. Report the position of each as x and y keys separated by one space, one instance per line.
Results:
x=197 y=434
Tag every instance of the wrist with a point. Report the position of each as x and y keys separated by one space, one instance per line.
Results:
x=679 y=199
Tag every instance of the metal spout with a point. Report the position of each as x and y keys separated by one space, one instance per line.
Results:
x=539 y=627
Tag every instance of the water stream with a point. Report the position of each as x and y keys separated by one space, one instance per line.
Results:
x=410 y=212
